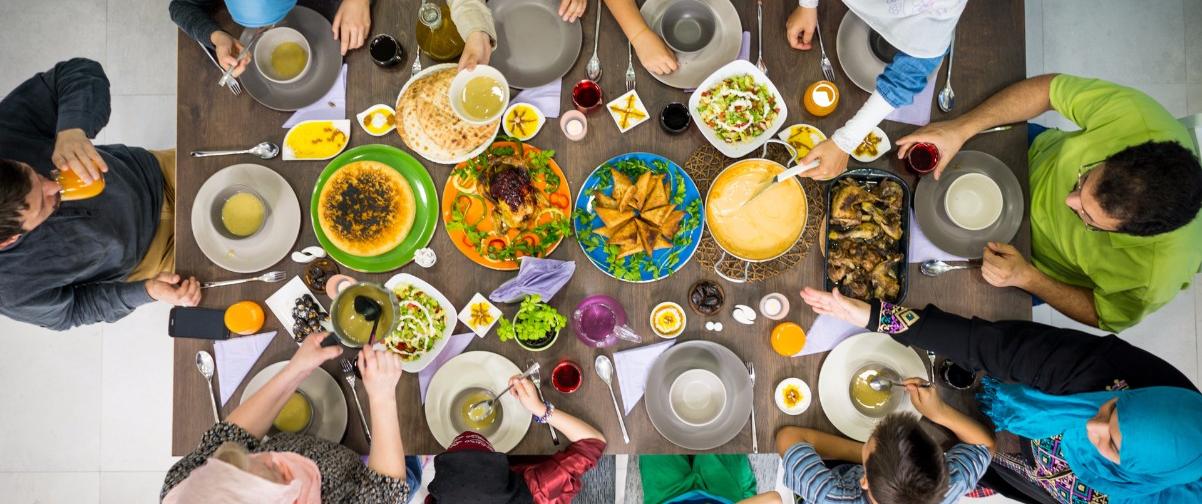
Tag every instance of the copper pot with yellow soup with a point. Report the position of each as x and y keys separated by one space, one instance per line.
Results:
x=763 y=228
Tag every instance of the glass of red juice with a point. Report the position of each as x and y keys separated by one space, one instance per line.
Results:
x=922 y=158
x=566 y=377
x=586 y=96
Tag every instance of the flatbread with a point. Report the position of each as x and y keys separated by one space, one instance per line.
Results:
x=366 y=208
x=430 y=128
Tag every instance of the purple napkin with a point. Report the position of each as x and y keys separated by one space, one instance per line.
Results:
x=917 y=112
x=545 y=98
x=329 y=107
x=921 y=248
x=745 y=47
x=234 y=358
x=827 y=332
x=535 y=276
x=455 y=346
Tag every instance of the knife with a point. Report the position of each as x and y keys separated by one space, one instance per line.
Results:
x=538 y=387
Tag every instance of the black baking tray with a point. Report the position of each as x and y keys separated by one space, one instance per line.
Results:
x=871 y=177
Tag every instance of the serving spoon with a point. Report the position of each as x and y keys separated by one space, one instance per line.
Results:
x=935 y=267
x=264 y=150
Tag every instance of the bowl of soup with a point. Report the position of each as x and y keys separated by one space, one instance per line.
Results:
x=282 y=55
x=755 y=229
x=297 y=414
x=239 y=212
x=479 y=96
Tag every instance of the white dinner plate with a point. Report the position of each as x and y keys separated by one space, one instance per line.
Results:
x=329 y=403
x=853 y=353
x=271 y=243
x=468 y=370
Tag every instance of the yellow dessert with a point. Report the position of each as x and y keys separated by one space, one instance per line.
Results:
x=522 y=121
x=295 y=415
x=792 y=396
x=316 y=140
x=668 y=319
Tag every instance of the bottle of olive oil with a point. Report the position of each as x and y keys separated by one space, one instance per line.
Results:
x=436 y=33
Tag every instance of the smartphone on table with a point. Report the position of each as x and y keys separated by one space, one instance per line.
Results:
x=197 y=323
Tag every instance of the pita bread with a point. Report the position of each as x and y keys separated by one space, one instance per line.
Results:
x=366 y=208
x=430 y=128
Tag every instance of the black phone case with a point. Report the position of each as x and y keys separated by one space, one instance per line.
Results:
x=195 y=331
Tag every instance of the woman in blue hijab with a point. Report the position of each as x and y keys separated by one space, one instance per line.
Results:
x=1138 y=446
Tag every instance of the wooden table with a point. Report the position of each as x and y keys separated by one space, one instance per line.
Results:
x=989 y=56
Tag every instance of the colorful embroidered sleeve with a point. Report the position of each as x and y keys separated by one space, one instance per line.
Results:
x=890 y=318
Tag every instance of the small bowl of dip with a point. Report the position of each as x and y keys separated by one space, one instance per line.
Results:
x=667 y=320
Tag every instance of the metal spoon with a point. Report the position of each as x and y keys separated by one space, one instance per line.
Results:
x=593 y=69
x=935 y=267
x=204 y=364
x=480 y=410
x=881 y=384
x=605 y=369
x=629 y=67
x=759 y=24
x=265 y=150
x=947 y=98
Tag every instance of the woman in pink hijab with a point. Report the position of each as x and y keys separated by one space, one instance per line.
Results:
x=235 y=465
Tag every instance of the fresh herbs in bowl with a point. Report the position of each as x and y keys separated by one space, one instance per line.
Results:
x=536 y=325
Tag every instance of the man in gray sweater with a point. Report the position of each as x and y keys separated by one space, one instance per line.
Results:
x=69 y=263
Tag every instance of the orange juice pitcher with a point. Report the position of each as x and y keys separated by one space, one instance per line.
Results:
x=74 y=188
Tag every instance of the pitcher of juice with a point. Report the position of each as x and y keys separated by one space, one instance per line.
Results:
x=599 y=321
x=74 y=188
x=436 y=33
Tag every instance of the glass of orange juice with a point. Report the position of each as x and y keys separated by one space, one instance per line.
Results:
x=788 y=338
x=74 y=188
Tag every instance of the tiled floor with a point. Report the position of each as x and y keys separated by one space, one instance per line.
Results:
x=86 y=421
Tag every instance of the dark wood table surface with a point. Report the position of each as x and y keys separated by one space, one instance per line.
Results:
x=989 y=55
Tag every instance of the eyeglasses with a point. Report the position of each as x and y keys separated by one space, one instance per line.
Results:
x=1082 y=175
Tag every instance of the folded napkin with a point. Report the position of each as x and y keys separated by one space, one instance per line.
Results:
x=917 y=112
x=545 y=98
x=455 y=346
x=234 y=358
x=827 y=332
x=921 y=248
x=535 y=276
x=745 y=47
x=329 y=107
x=633 y=366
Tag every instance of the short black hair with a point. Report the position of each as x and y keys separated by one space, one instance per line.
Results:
x=906 y=465
x=1152 y=188
x=14 y=188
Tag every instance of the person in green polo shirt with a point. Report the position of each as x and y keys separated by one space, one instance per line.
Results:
x=1115 y=231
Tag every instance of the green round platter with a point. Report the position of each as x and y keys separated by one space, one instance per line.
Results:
x=425 y=221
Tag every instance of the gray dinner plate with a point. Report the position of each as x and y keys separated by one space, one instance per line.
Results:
x=534 y=45
x=323 y=392
x=854 y=52
x=325 y=64
x=693 y=68
x=953 y=239
x=699 y=355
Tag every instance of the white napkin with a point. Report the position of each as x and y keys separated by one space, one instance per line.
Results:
x=633 y=366
x=827 y=332
x=921 y=248
x=545 y=98
x=454 y=347
x=235 y=357
x=330 y=106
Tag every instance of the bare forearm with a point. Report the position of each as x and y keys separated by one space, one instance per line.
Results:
x=628 y=17
x=1076 y=302
x=574 y=428
x=966 y=429
x=829 y=446
x=256 y=414
x=387 y=450
x=1018 y=102
x=764 y=498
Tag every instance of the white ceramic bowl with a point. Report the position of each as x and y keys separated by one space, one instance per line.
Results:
x=740 y=149
x=807 y=397
x=460 y=81
x=973 y=201
x=272 y=39
x=697 y=397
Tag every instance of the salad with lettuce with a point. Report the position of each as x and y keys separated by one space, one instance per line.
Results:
x=421 y=323
x=738 y=109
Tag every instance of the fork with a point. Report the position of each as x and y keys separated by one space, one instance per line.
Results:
x=755 y=442
x=417 y=53
x=270 y=277
x=629 y=67
x=827 y=70
x=348 y=372
x=231 y=83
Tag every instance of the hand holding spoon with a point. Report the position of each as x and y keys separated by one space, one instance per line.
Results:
x=480 y=410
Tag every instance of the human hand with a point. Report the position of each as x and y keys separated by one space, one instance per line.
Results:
x=946 y=136
x=170 y=288
x=228 y=48
x=381 y=371
x=523 y=390
x=74 y=151
x=352 y=24
x=1004 y=266
x=926 y=399
x=800 y=27
x=655 y=56
x=477 y=50
x=571 y=10
x=831 y=161
x=311 y=354
x=852 y=311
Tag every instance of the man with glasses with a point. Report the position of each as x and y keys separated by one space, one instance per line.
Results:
x=1115 y=231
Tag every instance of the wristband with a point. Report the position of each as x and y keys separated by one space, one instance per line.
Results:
x=546 y=415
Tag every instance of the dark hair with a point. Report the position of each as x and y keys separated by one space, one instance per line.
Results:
x=906 y=464
x=14 y=188
x=1153 y=188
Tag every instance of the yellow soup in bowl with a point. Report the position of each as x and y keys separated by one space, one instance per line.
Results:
x=296 y=414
